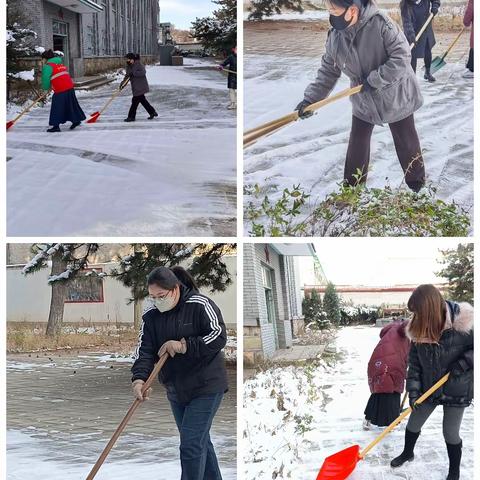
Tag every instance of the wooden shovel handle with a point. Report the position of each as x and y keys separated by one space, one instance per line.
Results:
x=420 y=33
x=457 y=38
x=31 y=106
x=113 y=97
x=127 y=417
x=404 y=414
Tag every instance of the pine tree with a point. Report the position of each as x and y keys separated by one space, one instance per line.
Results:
x=218 y=33
x=20 y=39
x=68 y=259
x=331 y=304
x=203 y=261
x=313 y=310
x=458 y=271
x=266 y=8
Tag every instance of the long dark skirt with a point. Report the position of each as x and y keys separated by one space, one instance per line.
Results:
x=470 y=60
x=382 y=408
x=65 y=108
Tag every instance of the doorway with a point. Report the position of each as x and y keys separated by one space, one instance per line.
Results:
x=60 y=40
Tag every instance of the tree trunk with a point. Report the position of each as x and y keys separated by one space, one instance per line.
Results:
x=57 y=303
x=137 y=314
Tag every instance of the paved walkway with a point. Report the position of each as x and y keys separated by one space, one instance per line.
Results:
x=298 y=353
x=61 y=411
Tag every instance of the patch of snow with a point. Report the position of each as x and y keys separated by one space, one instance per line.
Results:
x=26 y=75
x=40 y=50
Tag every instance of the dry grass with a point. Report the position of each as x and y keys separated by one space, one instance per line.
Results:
x=24 y=338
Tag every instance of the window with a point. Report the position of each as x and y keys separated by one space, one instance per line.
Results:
x=85 y=288
x=267 y=287
x=59 y=28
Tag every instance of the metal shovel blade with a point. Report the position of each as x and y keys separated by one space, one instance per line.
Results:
x=340 y=465
x=437 y=64
x=93 y=117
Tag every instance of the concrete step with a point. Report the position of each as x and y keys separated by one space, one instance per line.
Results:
x=89 y=83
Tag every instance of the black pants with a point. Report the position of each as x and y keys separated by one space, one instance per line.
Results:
x=407 y=146
x=470 y=60
x=135 y=102
x=427 y=58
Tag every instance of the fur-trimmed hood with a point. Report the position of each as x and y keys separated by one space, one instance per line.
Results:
x=462 y=321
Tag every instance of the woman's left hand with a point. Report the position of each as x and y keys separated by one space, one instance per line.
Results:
x=173 y=347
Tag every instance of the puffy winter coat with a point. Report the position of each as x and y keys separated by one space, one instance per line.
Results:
x=428 y=362
x=375 y=48
x=414 y=16
x=231 y=63
x=138 y=78
x=468 y=20
x=387 y=368
x=201 y=370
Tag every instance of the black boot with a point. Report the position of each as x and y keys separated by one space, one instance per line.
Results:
x=129 y=119
x=454 y=455
x=74 y=125
x=153 y=115
x=54 y=129
x=428 y=76
x=407 y=454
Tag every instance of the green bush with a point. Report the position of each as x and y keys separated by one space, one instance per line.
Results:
x=356 y=211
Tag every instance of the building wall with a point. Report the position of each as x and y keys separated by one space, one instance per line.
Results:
x=28 y=300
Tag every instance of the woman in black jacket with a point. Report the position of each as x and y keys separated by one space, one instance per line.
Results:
x=187 y=325
x=414 y=15
x=442 y=341
x=231 y=64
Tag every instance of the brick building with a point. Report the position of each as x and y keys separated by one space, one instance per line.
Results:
x=95 y=34
x=272 y=297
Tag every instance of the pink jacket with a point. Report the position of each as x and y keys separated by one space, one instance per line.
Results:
x=387 y=367
x=468 y=19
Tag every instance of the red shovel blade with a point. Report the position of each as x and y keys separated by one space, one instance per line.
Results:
x=93 y=117
x=340 y=465
x=10 y=124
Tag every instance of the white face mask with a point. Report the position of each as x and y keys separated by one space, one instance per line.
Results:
x=165 y=303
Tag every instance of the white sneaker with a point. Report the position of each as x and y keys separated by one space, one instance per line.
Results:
x=367 y=425
x=231 y=107
x=468 y=74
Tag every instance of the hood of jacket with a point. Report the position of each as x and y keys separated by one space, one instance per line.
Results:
x=459 y=317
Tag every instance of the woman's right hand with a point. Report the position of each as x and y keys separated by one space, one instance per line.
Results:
x=137 y=386
x=300 y=108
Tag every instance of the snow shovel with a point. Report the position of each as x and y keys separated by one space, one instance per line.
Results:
x=251 y=136
x=420 y=33
x=127 y=417
x=340 y=465
x=20 y=115
x=94 y=116
x=439 y=62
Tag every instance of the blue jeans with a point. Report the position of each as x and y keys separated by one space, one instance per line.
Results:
x=194 y=420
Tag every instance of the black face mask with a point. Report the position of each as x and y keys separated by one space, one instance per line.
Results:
x=338 y=22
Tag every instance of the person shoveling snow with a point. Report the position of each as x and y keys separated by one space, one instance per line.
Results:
x=368 y=47
x=65 y=106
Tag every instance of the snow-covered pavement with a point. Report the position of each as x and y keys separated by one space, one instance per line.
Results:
x=62 y=410
x=312 y=152
x=297 y=416
x=175 y=175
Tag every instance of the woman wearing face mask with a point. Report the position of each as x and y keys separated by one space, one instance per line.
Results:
x=371 y=50
x=414 y=15
x=137 y=74
x=442 y=341
x=187 y=325
x=231 y=63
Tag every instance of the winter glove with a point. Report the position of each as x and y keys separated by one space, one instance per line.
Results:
x=459 y=367
x=366 y=87
x=137 y=386
x=434 y=9
x=301 y=107
x=412 y=400
x=220 y=67
x=173 y=347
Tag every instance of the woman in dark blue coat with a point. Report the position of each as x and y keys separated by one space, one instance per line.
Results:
x=414 y=15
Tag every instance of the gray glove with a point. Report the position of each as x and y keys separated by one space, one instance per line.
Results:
x=137 y=386
x=300 y=108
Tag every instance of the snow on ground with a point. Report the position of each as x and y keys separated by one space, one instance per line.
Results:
x=328 y=402
x=175 y=175
x=312 y=152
